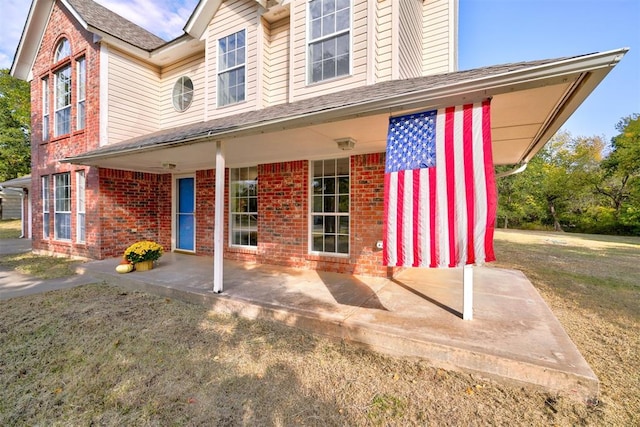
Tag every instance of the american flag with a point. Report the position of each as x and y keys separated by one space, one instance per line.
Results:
x=440 y=195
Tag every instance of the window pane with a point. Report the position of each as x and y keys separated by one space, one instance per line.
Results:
x=318 y=245
x=329 y=186
x=343 y=185
x=343 y=225
x=343 y=204
x=330 y=243
x=330 y=224
x=317 y=203
x=343 y=244
x=318 y=224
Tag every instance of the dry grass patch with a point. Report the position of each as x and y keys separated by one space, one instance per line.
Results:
x=40 y=266
x=591 y=284
x=103 y=355
x=10 y=229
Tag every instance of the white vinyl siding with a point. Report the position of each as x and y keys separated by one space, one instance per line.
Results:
x=194 y=68
x=276 y=63
x=231 y=17
x=410 y=39
x=438 y=35
x=133 y=97
x=383 y=41
x=299 y=58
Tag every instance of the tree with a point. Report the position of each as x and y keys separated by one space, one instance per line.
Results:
x=15 y=125
x=620 y=173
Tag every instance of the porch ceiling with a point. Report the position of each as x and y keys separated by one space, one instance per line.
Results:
x=528 y=107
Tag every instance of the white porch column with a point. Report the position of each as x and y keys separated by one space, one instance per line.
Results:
x=218 y=225
x=467 y=292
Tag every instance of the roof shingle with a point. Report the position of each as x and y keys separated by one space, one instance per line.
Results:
x=115 y=25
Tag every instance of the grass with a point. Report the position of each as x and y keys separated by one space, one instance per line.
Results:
x=41 y=266
x=10 y=228
x=99 y=354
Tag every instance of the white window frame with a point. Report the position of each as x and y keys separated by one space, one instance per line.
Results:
x=322 y=38
x=45 y=207
x=248 y=214
x=223 y=70
x=62 y=109
x=81 y=229
x=81 y=93
x=63 y=50
x=59 y=214
x=182 y=94
x=314 y=230
x=45 y=108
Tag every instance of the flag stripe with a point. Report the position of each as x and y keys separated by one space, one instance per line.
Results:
x=469 y=179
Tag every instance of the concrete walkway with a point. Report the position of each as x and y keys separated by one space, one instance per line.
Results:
x=514 y=335
x=13 y=284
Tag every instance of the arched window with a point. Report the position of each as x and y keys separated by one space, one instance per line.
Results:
x=63 y=50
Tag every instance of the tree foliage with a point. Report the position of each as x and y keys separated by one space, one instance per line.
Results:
x=15 y=107
x=578 y=184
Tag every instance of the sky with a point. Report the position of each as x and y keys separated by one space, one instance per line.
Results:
x=490 y=32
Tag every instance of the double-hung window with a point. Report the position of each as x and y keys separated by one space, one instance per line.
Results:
x=63 y=101
x=45 y=207
x=80 y=207
x=244 y=206
x=62 y=205
x=81 y=95
x=329 y=39
x=330 y=206
x=45 y=109
x=231 y=68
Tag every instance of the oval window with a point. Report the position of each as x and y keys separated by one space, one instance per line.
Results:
x=182 y=93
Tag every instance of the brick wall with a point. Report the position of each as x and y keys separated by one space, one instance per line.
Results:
x=47 y=152
x=134 y=206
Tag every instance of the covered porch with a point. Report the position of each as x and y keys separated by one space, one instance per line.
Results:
x=514 y=336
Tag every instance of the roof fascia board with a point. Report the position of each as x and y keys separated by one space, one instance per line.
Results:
x=138 y=52
x=75 y=14
x=461 y=93
x=201 y=16
x=31 y=39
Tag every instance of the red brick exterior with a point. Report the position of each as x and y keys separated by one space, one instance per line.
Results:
x=46 y=152
x=124 y=206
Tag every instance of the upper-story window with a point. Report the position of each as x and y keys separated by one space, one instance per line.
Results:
x=329 y=38
x=63 y=50
x=62 y=118
x=45 y=109
x=81 y=92
x=231 y=68
x=182 y=93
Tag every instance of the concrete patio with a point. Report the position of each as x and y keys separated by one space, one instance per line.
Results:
x=513 y=336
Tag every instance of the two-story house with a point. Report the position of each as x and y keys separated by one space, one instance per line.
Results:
x=260 y=133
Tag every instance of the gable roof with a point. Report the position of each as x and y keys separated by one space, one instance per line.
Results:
x=572 y=79
x=92 y=17
x=106 y=21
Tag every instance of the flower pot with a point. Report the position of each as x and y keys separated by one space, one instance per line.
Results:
x=144 y=265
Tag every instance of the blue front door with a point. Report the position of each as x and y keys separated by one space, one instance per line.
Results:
x=185 y=214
